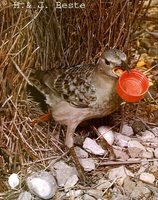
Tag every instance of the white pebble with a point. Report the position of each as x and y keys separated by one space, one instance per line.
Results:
x=147 y=177
x=71 y=182
x=13 y=180
x=25 y=196
x=107 y=134
x=74 y=194
x=127 y=130
x=81 y=153
x=42 y=184
x=119 y=173
x=88 y=164
x=135 y=149
x=122 y=140
x=42 y=187
x=92 y=147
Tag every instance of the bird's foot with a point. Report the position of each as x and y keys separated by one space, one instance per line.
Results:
x=107 y=146
x=79 y=167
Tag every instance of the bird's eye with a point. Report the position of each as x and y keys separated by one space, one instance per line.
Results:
x=107 y=62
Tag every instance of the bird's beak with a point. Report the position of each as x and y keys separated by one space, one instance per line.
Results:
x=125 y=66
x=118 y=70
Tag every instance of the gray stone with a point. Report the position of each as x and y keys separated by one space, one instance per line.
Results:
x=88 y=197
x=135 y=149
x=25 y=196
x=42 y=184
x=119 y=174
x=88 y=164
x=147 y=177
x=92 y=147
x=155 y=130
x=119 y=197
x=103 y=184
x=147 y=136
x=140 y=191
x=147 y=154
x=63 y=172
x=95 y=193
x=121 y=154
x=74 y=193
x=122 y=140
x=81 y=153
x=128 y=186
x=71 y=182
x=127 y=130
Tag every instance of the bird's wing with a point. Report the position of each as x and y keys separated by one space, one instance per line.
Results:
x=73 y=84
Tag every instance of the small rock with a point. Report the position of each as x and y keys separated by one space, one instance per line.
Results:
x=129 y=186
x=71 y=182
x=116 y=194
x=92 y=147
x=155 y=163
x=42 y=184
x=147 y=154
x=156 y=153
x=141 y=170
x=145 y=162
x=127 y=130
x=138 y=127
x=135 y=149
x=118 y=197
x=81 y=153
x=63 y=172
x=120 y=174
x=107 y=134
x=88 y=197
x=147 y=177
x=136 y=144
x=103 y=184
x=95 y=193
x=120 y=154
x=144 y=166
x=58 y=195
x=13 y=180
x=88 y=164
x=122 y=140
x=155 y=130
x=147 y=136
x=60 y=165
x=153 y=168
x=149 y=149
x=25 y=196
x=140 y=192
x=74 y=193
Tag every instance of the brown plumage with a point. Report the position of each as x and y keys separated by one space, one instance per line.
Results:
x=81 y=92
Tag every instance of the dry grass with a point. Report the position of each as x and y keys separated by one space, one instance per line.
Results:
x=44 y=39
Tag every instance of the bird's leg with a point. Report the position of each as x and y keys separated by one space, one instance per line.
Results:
x=77 y=163
x=105 y=144
x=69 y=144
x=123 y=108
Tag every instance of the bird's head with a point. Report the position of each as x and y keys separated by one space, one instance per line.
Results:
x=111 y=60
